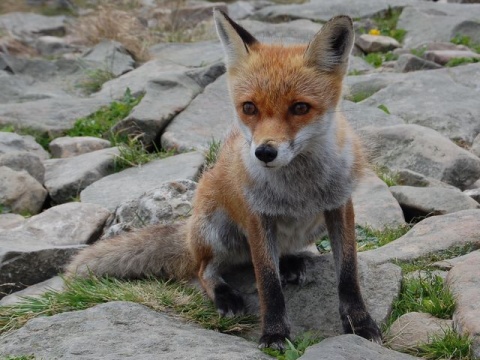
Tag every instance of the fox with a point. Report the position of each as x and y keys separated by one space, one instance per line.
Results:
x=283 y=177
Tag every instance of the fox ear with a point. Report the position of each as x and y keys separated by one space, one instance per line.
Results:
x=331 y=46
x=235 y=39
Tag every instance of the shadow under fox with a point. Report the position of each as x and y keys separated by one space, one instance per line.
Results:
x=284 y=176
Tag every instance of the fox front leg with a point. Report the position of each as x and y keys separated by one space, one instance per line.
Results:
x=353 y=312
x=263 y=247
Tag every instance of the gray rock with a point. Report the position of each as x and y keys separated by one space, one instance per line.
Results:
x=110 y=56
x=433 y=234
x=464 y=282
x=67 y=146
x=195 y=13
x=442 y=57
x=131 y=183
x=410 y=62
x=376 y=43
x=428 y=22
x=240 y=9
x=429 y=201
x=358 y=66
x=470 y=28
x=170 y=202
x=436 y=99
x=28 y=25
x=29 y=162
x=323 y=10
x=422 y=150
x=475 y=149
x=360 y=116
x=208 y=117
x=134 y=331
x=474 y=194
x=195 y=54
x=10 y=221
x=40 y=248
x=66 y=178
x=448 y=264
x=413 y=329
x=52 y=46
x=374 y=205
x=288 y=32
x=349 y=347
x=426 y=274
x=11 y=142
x=54 y=284
x=20 y=192
x=411 y=178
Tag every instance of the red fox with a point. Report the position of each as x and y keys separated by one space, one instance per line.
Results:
x=284 y=176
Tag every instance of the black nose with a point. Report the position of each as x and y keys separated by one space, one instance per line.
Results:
x=266 y=153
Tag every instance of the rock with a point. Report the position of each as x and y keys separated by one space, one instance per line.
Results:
x=357 y=65
x=426 y=274
x=11 y=142
x=360 y=116
x=29 y=162
x=131 y=183
x=411 y=178
x=428 y=22
x=441 y=100
x=348 y=347
x=376 y=43
x=41 y=247
x=448 y=264
x=10 y=221
x=439 y=45
x=409 y=62
x=52 y=46
x=475 y=149
x=464 y=282
x=240 y=9
x=464 y=1
x=207 y=118
x=422 y=150
x=314 y=306
x=296 y=31
x=110 y=56
x=374 y=205
x=125 y=330
x=28 y=25
x=170 y=202
x=413 y=329
x=56 y=284
x=431 y=235
x=19 y=192
x=323 y=10
x=196 y=13
x=469 y=28
x=68 y=146
x=66 y=178
x=474 y=194
x=195 y=54
x=429 y=201
x=442 y=57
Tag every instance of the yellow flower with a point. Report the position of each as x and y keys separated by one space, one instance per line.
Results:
x=374 y=32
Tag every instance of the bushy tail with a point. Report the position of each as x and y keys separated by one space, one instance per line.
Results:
x=159 y=250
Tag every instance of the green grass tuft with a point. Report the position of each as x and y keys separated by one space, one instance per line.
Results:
x=384 y=109
x=377 y=59
x=359 y=96
x=159 y=295
x=94 y=79
x=461 y=61
x=294 y=349
x=387 y=24
x=466 y=41
x=134 y=153
x=369 y=239
x=386 y=175
x=450 y=345
x=211 y=154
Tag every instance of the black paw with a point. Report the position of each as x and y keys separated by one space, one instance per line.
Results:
x=362 y=325
x=273 y=341
x=228 y=301
x=293 y=269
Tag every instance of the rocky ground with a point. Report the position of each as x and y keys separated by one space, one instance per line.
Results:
x=412 y=93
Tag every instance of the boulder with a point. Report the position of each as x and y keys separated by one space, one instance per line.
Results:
x=360 y=116
x=411 y=178
x=131 y=183
x=376 y=43
x=30 y=25
x=110 y=56
x=11 y=142
x=196 y=54
x=68 y=146
x=10 y=221
x=422 y=150
x=27 y=161
x=410 y=62
x=474 y=194
x=442 y=57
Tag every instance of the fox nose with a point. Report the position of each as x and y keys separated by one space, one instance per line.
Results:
x=266 y=153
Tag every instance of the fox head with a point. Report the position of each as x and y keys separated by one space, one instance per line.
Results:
x=285 y=97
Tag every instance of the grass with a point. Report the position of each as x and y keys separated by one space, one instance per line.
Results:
x=384 y=108
x=359 y=96
x=378 y=58
x=466 y=41
x=420 y=52
x=211 y=154
x=449 y=345
x=295 y=348
x=94 y=79
x=176 y=298
x=387 y=24
x=461 y=61
x=386 y=175
x=21 y=357
x=134 y=153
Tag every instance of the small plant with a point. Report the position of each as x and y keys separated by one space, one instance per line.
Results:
x=294 y=349
x=449 y=345
x=461 y=61
x=466 y=41
x=420 y=52
x=387 y=24
x=94 y=79
x=368 y=238
x=384 y=109
x=211 y=154
x=359 y=96
x=134 y=153
x=377 y=59
x=386 y=175
x=354 y=72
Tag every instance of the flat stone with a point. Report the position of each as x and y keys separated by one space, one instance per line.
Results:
x=296 y=31
x=428 y=201
x=125 y=330
x=431 y=235
x=413 y=329
x=374 y=205
x=464 y=282
x=408 y=177
x=11 y=142
x=68 y=146
x=349 y=347
x=410 y=62
x=442 y=57
x=376 y=43
x=110 y=56
x=357 y=65
x=30 y=24
x=20 y=192
x=208 y=117
x=66 y=178
x=195 y=54
x=422 y=150
x=448 y=264
x=10 y=221
x=131 y=183
x=360 y=116
x=54 y=284
x=27 y=161
x=196 y=13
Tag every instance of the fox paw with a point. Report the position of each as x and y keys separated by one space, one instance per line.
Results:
x=293 y=269
x=228 y=301
x=273 y=341
x=363 y=326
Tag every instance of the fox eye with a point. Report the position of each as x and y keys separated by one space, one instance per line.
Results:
x=300 y=108
x=249 y=108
